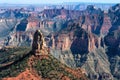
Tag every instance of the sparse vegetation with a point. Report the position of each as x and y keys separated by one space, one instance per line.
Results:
x=14 y=70
x=48 y=68
x=15 y=56
x=52 y=69
x=12 y=54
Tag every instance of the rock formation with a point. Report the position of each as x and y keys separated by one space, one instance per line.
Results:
x=89 y=39
x=112 y=41
x=81 y=48
x=38 y=45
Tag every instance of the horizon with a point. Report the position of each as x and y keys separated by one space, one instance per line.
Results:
x=57 y=2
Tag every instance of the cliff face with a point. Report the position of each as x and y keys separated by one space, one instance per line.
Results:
x=19 y=39
x=36 y=64
x=93 y=19
x=88 y=39
x=112 y=40
x=22 y=31
x=6 y=26
x=81 y=44
x=88 y=19
x=39 y=45
x=106 y=24
x=61 y=13
x=83 y=49
x=90 y=22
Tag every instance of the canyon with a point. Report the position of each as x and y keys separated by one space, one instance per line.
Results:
x=88 y=39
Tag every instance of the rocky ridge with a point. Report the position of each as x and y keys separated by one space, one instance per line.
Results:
x=89 y=40
x=41 y=65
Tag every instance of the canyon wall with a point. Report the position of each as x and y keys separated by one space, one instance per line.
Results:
x=88 y=39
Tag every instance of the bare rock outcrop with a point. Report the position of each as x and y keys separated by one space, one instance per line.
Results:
x=39 y=46
x=112 y=41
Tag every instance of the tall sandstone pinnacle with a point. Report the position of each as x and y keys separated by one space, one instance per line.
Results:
x=39 y=46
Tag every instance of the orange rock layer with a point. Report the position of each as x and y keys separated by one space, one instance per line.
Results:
x=26 y=75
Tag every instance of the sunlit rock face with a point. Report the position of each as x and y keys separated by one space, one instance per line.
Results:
x=81 y=44
x=106 y=24
x=6 y=26
x=39 y=45
x=88 y=39
x=19 y=39
x=112 y=41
